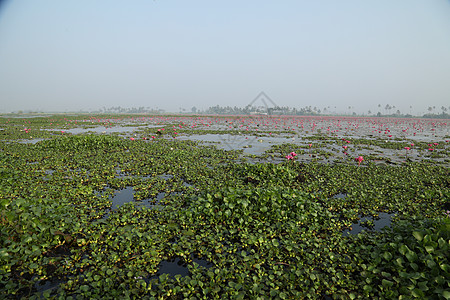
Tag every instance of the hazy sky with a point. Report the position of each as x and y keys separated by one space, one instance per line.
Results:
x=71 y=55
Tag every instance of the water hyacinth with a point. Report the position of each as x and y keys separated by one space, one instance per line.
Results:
x=117 y=208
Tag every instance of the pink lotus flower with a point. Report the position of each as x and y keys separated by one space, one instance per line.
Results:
x=289 y=157
x=293 y=154
x=359 y=159
x=345 y=147
x=132 y=139
x=407 y=148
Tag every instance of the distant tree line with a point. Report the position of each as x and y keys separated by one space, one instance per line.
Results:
x=434 y=115
x=383 y=111
x=132 y=110
x=249 y=110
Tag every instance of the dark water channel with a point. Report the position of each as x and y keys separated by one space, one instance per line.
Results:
x=126 y=195
x=122 y=197
x=383 y=220
x=177 y=266
x=367 y=222
x=44 y=285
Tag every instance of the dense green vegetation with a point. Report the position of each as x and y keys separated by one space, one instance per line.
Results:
x=242 y=229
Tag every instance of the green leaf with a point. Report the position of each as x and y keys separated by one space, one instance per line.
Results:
x=430 y=263
x=84 y=288
x=418 y=293
x=387 y=256
x=423 y=286
x=387 y=283
x=33 y=266
x=418 y=235
x=3 y=253
x=403 y=249
x=445 y=267
x=430 y=249
x=442 y=244
x=411 y=256
x=367 y=288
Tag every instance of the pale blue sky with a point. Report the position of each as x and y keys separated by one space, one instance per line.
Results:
x=71 y=55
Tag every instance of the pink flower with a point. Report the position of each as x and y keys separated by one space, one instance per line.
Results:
x=345 y=147
x=132 y=139
x=407 y=148
x=289 y=157
x=293 y=154
x=359 y=159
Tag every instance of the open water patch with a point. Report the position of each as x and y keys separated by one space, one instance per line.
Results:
x=121 y=197
x=371 y=223
x=49 y=285
x=154 y=203
x=126 y=195
x=102 y=129
x=32 y=141
x=339 y=196
x=120 y=173
x=177 y=266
